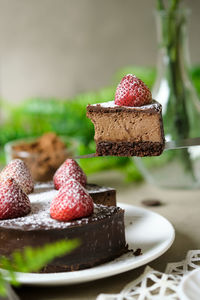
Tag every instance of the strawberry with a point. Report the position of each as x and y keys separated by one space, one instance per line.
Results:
x=13 y=201
x=18 y=170
x=132 y=91
x=69 y=169
x=71 y=202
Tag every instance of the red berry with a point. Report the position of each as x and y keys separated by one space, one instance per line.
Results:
x=132 y=91
x=69 y=169
x=72 y=202
x=18 y=170
x=14 y=202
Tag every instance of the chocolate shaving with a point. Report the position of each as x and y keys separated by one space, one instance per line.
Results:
x=137 y=252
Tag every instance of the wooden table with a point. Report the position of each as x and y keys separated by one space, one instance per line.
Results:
x=180 y=207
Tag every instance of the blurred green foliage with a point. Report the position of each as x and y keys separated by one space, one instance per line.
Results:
x=34 y=117
x=31 y=260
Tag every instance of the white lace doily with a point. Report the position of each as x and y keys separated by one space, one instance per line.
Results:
x=156 y=285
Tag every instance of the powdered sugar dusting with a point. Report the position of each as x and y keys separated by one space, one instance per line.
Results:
x=94 y=188
x=39 y=217
x=111 y=104
x=90 y=187
x=18 y=170
x=13 y=201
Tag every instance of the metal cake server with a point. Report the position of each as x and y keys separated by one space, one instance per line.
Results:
x=171 y=145
x=185 y=143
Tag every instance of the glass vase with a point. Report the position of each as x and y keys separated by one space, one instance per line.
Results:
x=180 y=106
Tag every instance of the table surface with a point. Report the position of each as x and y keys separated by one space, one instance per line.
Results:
x=180 y=207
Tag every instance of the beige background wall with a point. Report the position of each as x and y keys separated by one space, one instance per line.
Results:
x=57 y=48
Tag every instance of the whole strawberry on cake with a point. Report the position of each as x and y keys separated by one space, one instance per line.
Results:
x=131 y=125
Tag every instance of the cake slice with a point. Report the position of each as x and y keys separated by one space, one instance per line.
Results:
x=131 y=125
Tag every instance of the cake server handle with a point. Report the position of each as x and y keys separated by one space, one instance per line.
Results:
x=171 y=145
x=86 y=156
x=184 y=143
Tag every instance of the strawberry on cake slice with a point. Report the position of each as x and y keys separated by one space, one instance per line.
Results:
x=131 y=125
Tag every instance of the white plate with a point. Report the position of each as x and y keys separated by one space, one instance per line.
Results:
x=144 y=229
x=190 y=286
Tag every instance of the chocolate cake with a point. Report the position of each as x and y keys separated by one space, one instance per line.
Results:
x=127 y=131
x=102 y=234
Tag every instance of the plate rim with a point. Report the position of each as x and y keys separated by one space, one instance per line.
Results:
x=43 y=280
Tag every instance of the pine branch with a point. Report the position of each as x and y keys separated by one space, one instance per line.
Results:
x=32 y=260
x=2 y=285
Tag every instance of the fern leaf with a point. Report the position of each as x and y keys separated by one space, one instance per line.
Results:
x=32 y=260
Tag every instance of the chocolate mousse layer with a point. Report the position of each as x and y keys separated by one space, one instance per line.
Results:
x=102 y=235
x=127 y=131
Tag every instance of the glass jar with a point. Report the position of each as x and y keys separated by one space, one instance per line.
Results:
x=180 y=106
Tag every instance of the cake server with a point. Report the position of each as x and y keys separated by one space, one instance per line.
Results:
x=185 y=143
x=171 y=145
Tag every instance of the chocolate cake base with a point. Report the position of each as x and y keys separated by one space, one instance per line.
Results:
x=102 y=235
x=129 y=149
